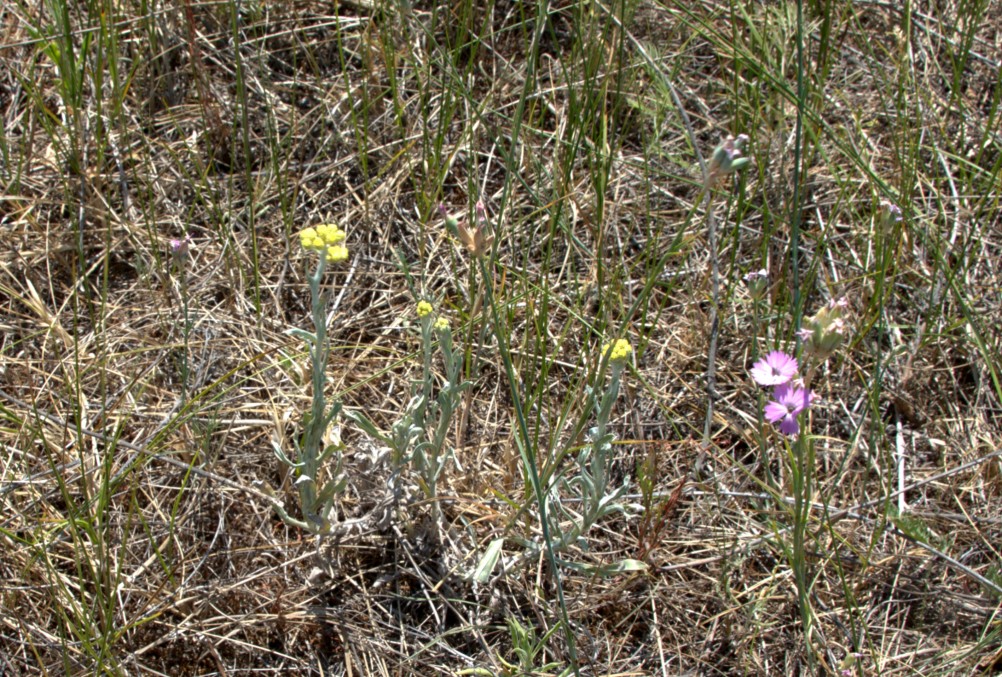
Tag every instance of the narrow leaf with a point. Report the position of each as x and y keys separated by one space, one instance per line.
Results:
x=488 y=561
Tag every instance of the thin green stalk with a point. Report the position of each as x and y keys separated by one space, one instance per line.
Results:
x=795 y=208
x=317 y=425
x=249 y=186
x=711 y=353
x=803 y=458
x=764 y=460
x=182 y=269
x=802 y=473
x=313 y=452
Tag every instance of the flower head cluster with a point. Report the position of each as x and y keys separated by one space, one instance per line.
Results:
x=441 y=324
x=888 y=215
x=757 y=281
x=179 y=248
x=727 y=158
x=424 y=309
x=617 y=350
x=451 y=220
x=326 y=238
x=823 y=332
x=789 y=399
x=476 y=239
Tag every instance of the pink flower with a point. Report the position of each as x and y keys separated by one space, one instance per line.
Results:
x=774 y=369
x=179 y=248
x=757 y=282
x=887 y=215
x=788 y=403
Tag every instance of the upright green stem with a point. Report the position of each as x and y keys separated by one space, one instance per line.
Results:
x=185 y=334
x=315 y=428
x=763 y=450
x=803 y=492
x=803 y=472
x=711 y=360
x=797 y=170
x=802 y=495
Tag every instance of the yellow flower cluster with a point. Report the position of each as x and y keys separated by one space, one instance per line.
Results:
x=619 y=349
x=424 y=309
x=326 y=238
x=441 y=324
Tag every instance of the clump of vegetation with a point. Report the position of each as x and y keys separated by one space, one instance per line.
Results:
x=500 y=339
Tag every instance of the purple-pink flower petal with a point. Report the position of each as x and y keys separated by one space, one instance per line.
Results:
x=774 y=411
x=774 y=369
x=788 y=403
x=789 y=425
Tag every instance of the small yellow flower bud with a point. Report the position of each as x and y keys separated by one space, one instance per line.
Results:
x=441 y=324
x=424 y=309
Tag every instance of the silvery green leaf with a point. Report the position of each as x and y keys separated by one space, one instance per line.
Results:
x=585 y=481
x=622 y=566
x=609 y=504
x=283 y=458
x=332 y=414
x=327 y=453
x=309 y=337
x=418 y=458
x=488 y=561
x=416 y=403
x=335 y=486
x=366 y=425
